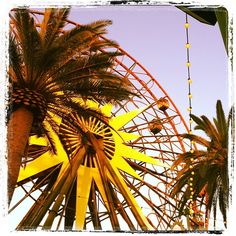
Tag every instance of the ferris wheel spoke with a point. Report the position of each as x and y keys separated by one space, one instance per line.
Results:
x=121 y=210
x=93 y=207
x=102 y=167
x=140 y=147
x=82 y=195
x=148 y=201
x=63 y=211
x=138 y=156
x=161 y=195
x=125 y=167
x=146 y=170
x=26 y=222
x=119 y=182
x=123 y=119
x=70 y=208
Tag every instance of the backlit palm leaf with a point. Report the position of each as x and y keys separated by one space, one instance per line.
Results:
x=49 y=66
x=210 y=165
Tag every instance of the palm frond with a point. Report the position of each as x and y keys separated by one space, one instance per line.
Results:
x=103 y=44
x=15 y=62
x=46 y=133
x=54 y=58
x=73 y=42
x=200 y=140
x=29 y=40
x=198 y=121
x=212 y=189
x=222 y=123
x=210 y=129
x=79 y=39
x=231 y=116
x=223 y=204
x=204 y=124
x=210 y=166
x=53 y=22
x=35 y=151
x=99 y=27
x=179 y=185
x=84 y=66
x=58 y=60
x=185 y=157
x=231 y=124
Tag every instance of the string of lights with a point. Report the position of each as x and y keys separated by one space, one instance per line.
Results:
x=188 y=64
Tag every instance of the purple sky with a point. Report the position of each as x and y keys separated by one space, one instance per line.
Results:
x=155 y=36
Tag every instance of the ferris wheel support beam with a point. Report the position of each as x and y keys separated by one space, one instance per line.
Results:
x=141 y=219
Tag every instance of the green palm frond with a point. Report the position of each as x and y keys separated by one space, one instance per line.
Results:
x=199 y=122
x=65 y=48
x=75 y=41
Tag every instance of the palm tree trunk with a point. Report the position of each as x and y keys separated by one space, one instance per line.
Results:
x=19 y=127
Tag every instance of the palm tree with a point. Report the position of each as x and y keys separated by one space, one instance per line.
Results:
x=208 y=166
x=50 y=66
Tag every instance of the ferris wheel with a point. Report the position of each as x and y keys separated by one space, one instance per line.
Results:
x=124 y=179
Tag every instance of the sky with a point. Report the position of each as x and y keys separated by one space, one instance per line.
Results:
x=155 y=37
